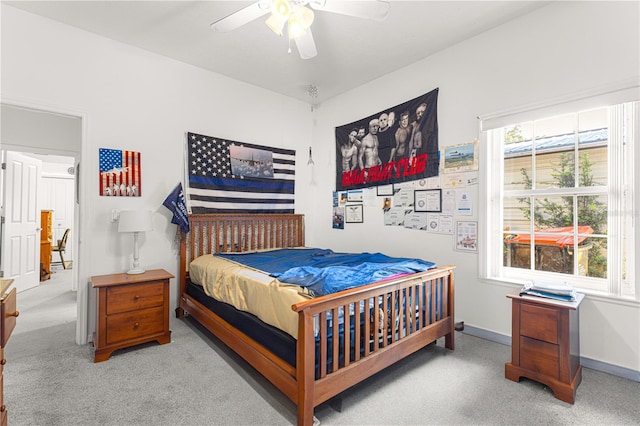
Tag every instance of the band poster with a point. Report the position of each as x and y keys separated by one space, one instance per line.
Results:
x=398 y=144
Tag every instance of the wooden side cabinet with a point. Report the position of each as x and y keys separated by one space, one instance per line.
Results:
x=545 y=343
x=130 y=309
x=46 y=238
x=8 y=315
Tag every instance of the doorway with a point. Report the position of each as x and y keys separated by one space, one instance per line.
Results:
x=55 y=138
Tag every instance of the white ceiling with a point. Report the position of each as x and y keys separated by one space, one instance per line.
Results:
x=351 y=51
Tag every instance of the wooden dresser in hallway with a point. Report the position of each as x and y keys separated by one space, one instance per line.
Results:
x=46 y=238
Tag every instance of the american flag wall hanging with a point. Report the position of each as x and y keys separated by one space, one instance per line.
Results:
x=119 y=173
x=226 y=176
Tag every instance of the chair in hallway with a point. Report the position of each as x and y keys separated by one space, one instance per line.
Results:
x=61 y=247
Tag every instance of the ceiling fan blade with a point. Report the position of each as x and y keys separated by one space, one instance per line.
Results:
x=306 y=45
x=367 y=9
x=240 y=18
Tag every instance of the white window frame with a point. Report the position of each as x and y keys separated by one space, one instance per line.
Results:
x=621 y=281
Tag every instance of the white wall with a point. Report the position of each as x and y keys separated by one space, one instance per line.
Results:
x=135 y=100
x=559 y=50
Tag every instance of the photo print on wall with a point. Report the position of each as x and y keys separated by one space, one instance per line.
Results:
x=120 y=173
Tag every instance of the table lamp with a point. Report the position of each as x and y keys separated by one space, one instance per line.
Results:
x=135 y=221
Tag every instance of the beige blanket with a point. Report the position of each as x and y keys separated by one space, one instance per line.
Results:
x=248 y=290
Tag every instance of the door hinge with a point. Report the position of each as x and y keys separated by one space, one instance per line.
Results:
x=4 y=166
x=1 y=274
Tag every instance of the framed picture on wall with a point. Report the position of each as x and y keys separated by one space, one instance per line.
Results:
x=120 y=173
x=384 y=190
x=356 y=195
x=428 y=200
x=353 y=213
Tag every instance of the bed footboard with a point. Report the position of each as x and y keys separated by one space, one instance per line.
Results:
x=374 y=326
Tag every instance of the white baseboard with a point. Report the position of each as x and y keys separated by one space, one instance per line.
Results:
x=504 y=339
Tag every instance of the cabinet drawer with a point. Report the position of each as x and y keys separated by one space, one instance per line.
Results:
x=539 y=322
x=136 y=324
x=539 y=356
x=9 y=314
x=134 y=297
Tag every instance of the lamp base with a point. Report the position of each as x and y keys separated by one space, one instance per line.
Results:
x=136 y=271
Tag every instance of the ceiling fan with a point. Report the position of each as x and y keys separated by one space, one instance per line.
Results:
x=296 y=17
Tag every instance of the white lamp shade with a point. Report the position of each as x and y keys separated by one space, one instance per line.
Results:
x=135 y=221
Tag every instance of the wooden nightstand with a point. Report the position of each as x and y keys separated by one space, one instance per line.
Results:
x=131 y=309
x=545 y=343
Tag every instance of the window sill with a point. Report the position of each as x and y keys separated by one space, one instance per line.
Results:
x=589 y=294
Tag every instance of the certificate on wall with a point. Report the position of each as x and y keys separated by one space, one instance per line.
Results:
x=404 y=197
x=384 y=190
x=416 y=221
x=428 y=200
x=353 y=213
x=355 y=195
x=394 y=216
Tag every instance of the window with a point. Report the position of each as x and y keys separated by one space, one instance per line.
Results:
x=559 y=198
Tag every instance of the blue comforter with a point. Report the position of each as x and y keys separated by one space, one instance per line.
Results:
x=324 y=271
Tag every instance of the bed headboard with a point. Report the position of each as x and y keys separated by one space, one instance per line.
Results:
x=222 y=232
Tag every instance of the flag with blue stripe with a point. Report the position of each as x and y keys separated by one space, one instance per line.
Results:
x=226 y=176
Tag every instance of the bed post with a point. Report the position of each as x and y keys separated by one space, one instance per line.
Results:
x=449 y=341
x=182 y=273
x=305 y=368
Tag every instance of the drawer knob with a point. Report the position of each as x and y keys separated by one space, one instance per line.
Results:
x=136 y=298
x=13 y=314
x=2 y=408
x=136 y=325
x=3 y=361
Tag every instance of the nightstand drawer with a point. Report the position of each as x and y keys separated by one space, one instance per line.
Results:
x=134 y=324
x=538 y=356
x=539 y=322
x=134 y=297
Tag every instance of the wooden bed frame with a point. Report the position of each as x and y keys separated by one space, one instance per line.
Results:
x=304 y=384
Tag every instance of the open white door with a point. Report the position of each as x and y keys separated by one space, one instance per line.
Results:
x=21 y=234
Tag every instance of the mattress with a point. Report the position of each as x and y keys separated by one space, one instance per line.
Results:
x=277 y=341
x=269 y=282
x=249 y=290
x=259 y=305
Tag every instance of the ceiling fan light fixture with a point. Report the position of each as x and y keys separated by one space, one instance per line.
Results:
x=282 y=8
x=299 y=21
x=299 y=15
x=276 y=23
x=295 y=29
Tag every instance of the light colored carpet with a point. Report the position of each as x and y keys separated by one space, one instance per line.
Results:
x=195 y=380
